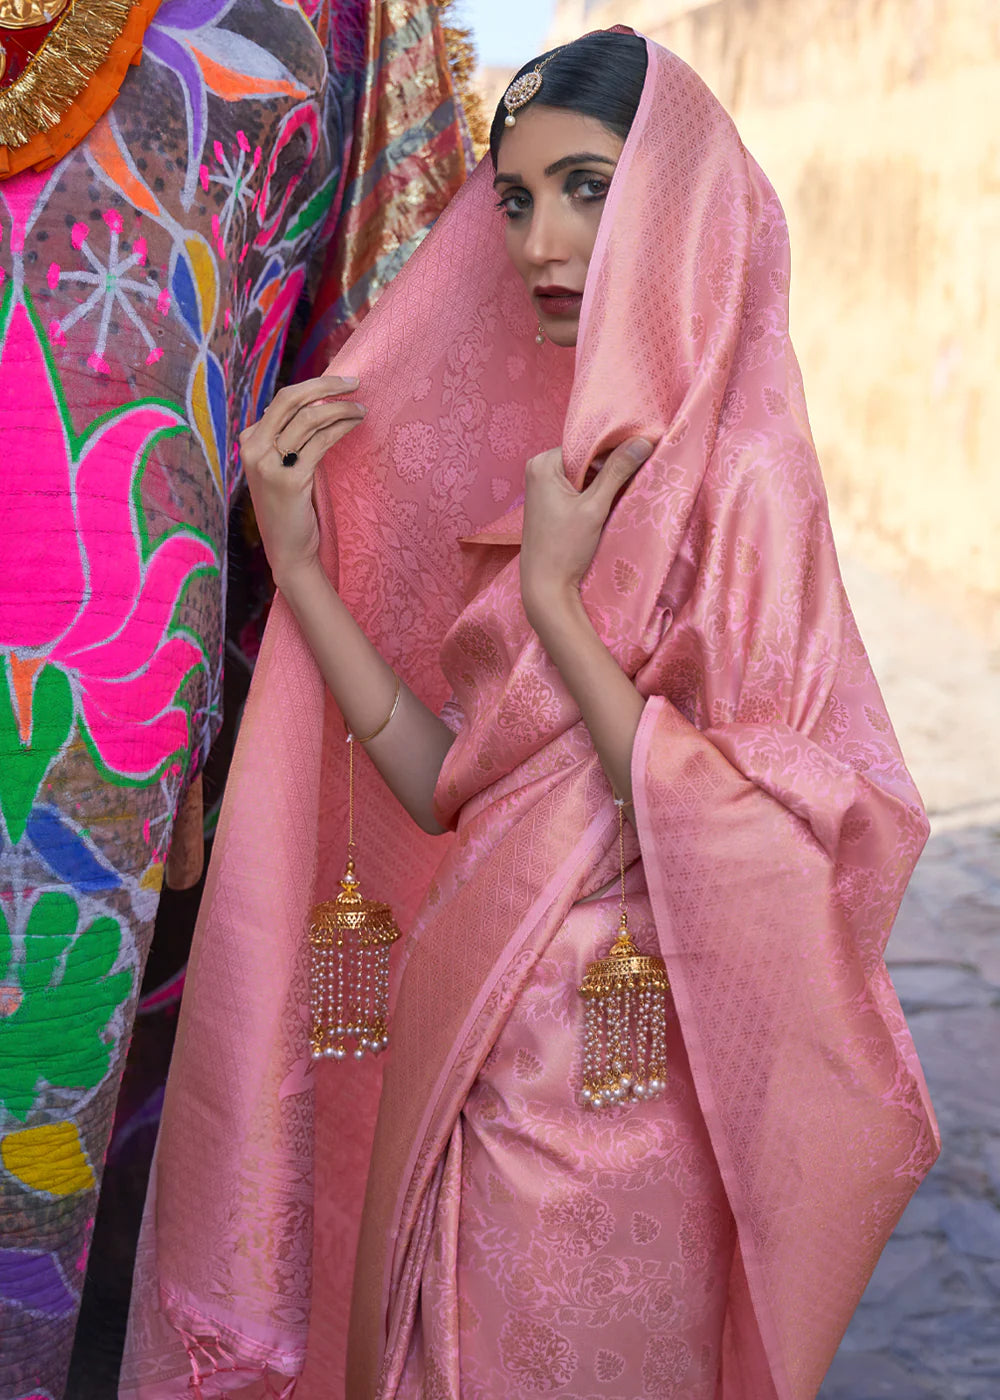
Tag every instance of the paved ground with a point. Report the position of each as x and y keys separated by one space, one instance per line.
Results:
x=929 y=1324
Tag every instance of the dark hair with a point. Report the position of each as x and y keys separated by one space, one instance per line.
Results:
x=599 y=76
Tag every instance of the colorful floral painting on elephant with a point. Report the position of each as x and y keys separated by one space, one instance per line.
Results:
x=149 y=282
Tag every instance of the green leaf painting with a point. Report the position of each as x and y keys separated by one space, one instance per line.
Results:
x=28 y=746
x=56 y=1002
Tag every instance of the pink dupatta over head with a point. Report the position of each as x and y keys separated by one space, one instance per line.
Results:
x=776 y=821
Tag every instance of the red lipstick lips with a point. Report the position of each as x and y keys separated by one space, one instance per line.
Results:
x=557 y=301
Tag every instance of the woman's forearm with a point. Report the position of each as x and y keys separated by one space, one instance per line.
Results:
x=609 y=703
x=562 y=530
x=409 y=752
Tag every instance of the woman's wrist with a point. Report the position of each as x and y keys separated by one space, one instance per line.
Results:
x=302 y=577
x=554 y=608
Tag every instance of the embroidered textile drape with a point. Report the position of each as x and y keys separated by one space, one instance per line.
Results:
x=776 y=821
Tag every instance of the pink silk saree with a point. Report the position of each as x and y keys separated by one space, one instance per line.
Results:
x=288 y=1228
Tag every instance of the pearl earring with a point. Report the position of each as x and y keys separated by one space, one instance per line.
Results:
x=540 y=337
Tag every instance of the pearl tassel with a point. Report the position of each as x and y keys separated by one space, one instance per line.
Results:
x=349 y=941
x=625 y=1031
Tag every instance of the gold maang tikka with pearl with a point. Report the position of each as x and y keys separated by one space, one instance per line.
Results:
x=349 y=941
x=523 y=89
x=625 y=1030
x=519 y=94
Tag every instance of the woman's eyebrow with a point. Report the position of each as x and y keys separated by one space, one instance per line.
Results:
x=579 y=158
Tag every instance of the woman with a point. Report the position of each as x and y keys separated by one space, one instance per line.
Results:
x=654 y=612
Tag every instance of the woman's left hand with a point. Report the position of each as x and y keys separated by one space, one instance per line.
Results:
x=562 y=526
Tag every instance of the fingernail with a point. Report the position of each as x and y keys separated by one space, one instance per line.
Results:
x=351 y=380
x=639 y=450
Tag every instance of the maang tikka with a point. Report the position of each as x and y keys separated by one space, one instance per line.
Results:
x=349 y=941
x=625 y=1030
x=523 y=89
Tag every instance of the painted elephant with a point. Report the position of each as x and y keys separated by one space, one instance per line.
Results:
x=149 y=279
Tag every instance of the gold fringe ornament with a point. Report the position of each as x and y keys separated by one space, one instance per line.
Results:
x=349 y=941
x=625 y=1032
x=73 y=78
x=462 y=64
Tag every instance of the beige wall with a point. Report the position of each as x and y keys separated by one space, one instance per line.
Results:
x=491 y=84
x=878 y=121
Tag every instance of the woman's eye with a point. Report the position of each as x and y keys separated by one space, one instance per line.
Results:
x=514 y=204
x=589 y=187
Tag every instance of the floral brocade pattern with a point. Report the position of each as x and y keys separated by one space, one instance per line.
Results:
x=775 y=847
x=592 y=1252
x=716 y=587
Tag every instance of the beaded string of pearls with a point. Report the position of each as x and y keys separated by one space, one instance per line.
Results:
x=625 y=1027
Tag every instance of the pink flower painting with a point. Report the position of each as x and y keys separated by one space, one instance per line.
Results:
x=82 y=590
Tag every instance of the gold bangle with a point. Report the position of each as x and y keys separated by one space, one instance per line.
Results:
x=376 y=732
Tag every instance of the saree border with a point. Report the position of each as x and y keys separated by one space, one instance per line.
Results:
x=654 y=709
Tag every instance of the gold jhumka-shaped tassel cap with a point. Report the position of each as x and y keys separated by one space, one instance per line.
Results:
x=625 y=1031
x=349 y=941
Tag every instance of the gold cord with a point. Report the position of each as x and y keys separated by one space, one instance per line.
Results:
x=623 y=903
x=350 y=792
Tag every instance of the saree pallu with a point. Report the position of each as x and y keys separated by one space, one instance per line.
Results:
x=295 y=1216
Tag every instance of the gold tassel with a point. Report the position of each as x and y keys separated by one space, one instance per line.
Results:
x=62 y=68
x=463 y=62
x=349 y=941
x=625 y=1033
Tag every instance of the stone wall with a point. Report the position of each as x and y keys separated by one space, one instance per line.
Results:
x=878 y=122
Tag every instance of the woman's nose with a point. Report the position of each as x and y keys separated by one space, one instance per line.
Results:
x=546 y=241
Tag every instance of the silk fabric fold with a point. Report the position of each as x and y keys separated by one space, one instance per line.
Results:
x=775 y=819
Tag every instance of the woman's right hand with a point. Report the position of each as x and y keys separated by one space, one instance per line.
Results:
x=306 y=419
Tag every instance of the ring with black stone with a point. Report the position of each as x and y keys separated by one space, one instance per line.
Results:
x=288 y=459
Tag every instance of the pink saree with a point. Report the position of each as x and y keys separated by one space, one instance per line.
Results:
x=307 y=1227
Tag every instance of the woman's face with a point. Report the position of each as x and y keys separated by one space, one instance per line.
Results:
x=553 y=172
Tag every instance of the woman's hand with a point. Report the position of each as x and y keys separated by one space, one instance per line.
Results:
x=562 y=526
x=306 y=420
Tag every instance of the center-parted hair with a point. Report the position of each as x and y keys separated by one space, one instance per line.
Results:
x=599 y=76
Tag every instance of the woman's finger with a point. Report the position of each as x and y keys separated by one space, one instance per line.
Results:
x=312 y=452
x=288 y=401
x=621 y=465
x=545 y=464
x=313 y=418
x=265 y=457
